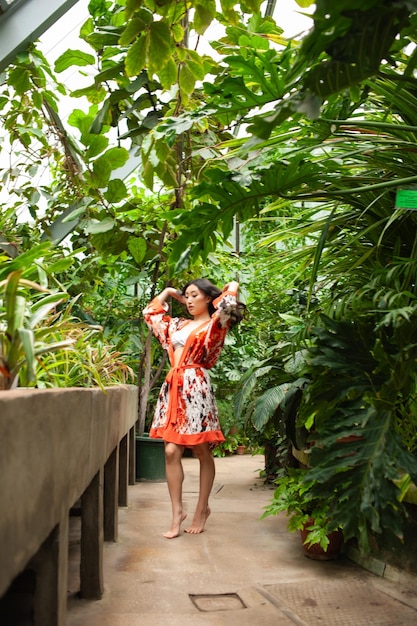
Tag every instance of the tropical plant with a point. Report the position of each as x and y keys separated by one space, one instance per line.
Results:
x=43 y=344
x=268 y=394
x=239 y=176
x=224 y=142
x=293 y=496
x=23 y=333
x=359 y=393
x=90 y=362
x=227 y=447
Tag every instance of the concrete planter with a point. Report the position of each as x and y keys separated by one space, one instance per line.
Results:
x=58 y=446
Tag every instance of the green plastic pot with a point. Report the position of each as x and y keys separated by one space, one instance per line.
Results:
x=150 y=458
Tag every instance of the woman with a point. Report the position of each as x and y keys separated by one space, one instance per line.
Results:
x=186 y=413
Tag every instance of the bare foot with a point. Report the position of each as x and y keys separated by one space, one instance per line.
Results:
x=198 y=522
x=174 y=531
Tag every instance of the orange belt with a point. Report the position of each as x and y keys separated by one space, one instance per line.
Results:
x=175 y=378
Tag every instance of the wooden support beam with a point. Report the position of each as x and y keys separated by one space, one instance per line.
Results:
x=91 y=566
x=132 y=455
x=51 y=568
x=123 y=470
x=111 y=496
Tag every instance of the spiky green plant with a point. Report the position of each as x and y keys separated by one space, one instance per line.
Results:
x=23 y=337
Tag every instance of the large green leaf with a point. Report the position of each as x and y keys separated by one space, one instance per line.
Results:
x=133 y=28
x=117 y=156
x=137 y=248
x=20 y=79
x=247 y=384
x=15 y=304
x=96 y=144
x=230 y=198
x=102 y=168
x=186 y=79
x=116 y=191
x=168 y=74
x=44 y=307
x=161 y=46
x=136 y=56
x=204 y=13
x=266 y=405
x=99 y=226
x=73 y=57
x=27 y=338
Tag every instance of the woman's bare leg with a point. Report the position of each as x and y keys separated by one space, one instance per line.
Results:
x=175 y=478
x=207 y=473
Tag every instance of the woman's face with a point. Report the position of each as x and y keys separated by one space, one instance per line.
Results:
x=196 y=300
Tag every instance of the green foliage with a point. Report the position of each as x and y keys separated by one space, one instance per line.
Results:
x=43 y=344
x=23 y=335
x=331 y=343
x=227 y=447
x=293 y=496
x=92 y=361
x=358 y=394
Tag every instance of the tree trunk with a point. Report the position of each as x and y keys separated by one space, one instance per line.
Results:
x=144 y=384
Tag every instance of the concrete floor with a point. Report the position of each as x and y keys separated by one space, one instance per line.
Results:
x=241 y=570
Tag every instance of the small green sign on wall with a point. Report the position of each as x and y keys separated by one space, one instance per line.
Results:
x=406 y=199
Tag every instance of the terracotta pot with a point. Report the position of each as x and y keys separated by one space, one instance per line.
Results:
x=240 y=449
x=334 y=549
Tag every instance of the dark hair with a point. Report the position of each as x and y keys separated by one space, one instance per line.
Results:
x=214 y=292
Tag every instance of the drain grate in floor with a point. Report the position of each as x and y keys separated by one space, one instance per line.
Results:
x=217 y=602
x=342 y=603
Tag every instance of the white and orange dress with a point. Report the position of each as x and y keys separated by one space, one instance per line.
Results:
x=186 y=411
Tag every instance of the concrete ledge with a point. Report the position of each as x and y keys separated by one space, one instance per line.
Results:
x=381 y=568
x=54 y=445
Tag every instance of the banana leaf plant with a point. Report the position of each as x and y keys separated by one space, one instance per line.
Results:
x=27 y=313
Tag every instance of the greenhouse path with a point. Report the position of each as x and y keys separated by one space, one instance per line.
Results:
x=241 y=570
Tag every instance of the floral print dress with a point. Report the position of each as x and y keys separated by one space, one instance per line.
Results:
x=186 y=411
